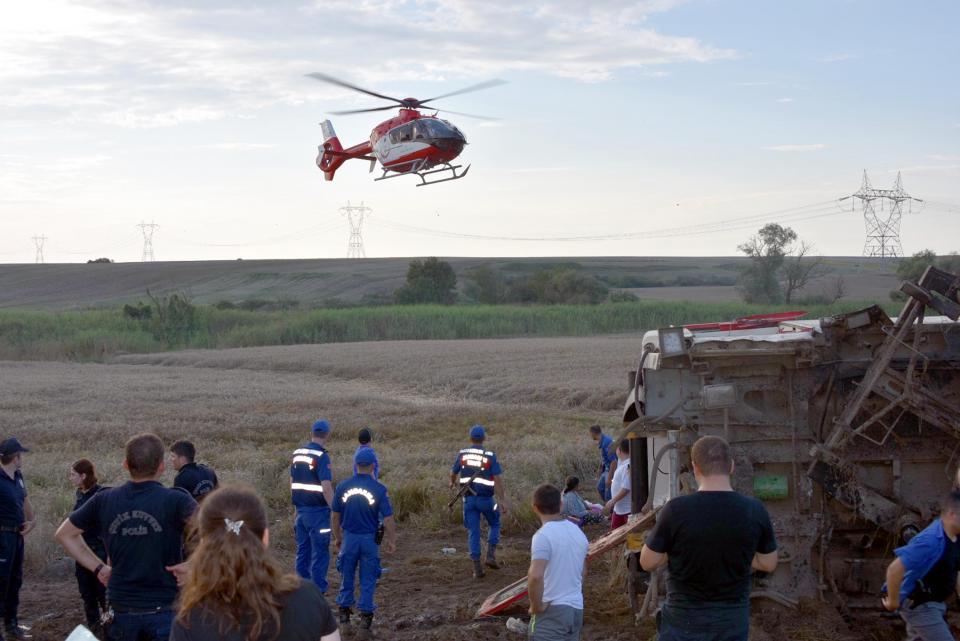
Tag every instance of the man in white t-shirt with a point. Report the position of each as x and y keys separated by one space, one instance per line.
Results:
x=619 y=505
x=558 y=554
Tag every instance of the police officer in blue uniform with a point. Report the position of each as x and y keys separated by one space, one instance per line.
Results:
x=485 y=496
x=608 y=462
x=195 y=479
x=359 y=504
x=311 y=482
x=16 y=520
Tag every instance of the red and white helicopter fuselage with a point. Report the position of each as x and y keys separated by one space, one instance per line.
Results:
x=410 y=143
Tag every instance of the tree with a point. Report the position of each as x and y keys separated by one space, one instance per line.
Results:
x=800 y=269
x=912 y=268
x=487 y=286
x=428 y=281
x=767 y=251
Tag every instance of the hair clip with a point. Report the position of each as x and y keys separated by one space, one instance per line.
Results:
x=233 y=526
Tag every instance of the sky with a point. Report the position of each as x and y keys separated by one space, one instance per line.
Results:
x=653 y=127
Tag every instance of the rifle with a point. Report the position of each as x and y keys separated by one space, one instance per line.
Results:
x=464 y=488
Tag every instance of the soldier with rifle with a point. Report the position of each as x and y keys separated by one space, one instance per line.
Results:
x=477 y=472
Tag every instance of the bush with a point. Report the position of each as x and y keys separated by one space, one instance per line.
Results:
x=173 y=320
x=99 y=260
x=621 y=296
x=225 y=304
x=137 y=312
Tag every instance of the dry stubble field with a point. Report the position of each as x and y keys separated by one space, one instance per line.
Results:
x=246 y=409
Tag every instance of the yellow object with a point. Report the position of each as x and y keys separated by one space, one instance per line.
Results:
x=635 y=541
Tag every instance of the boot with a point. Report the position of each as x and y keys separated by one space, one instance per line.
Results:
x=15 y=632
x=345 y=616
x=477 y=569
x=492 y=557
x=366 y=620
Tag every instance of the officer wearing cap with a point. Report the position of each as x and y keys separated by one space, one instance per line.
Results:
x=359 y=504
x=311 y=483
x=485 y=496
x=16 y=520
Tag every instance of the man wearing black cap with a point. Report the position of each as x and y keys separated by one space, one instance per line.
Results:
x=16 y=520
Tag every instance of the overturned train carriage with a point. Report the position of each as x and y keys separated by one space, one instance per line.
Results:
x=847 y=428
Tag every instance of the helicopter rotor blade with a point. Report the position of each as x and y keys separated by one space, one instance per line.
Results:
x=460 y=113
x=362 y=111
x=322 y=77
x=496 y=82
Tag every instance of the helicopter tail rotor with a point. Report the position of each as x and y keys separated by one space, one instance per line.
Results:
x=330 y=157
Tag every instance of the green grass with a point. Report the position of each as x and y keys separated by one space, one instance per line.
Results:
x=96 y=335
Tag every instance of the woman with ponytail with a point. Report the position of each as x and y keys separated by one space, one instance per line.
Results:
x=235 y=589
x=83 y=477
x=575 y=508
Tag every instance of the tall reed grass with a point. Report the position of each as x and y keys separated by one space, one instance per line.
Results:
x=96 y=335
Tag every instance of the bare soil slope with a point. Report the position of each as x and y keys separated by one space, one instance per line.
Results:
x=73 y=286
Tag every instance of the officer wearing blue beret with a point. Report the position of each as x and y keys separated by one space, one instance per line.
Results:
x=359 y=504
x=479 y=468
x=311 y=484
x=16 y=520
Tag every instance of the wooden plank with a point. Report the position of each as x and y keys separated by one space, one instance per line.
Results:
x=517 y=591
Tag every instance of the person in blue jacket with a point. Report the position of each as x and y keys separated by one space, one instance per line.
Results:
x=924 y=575
x=311 y=484
x=359 y=505
x=608 y=462
x=485 y=496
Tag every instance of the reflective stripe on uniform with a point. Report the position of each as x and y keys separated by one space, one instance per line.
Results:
x=309 y=487
x=473 y=450
x=300 y=458
x=308 y=451
x=325 y=530
x=464 y=481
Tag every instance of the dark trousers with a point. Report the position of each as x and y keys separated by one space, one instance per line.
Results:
x=93 y=593
x=704 y=623
x=11 y=575
x=141 y=626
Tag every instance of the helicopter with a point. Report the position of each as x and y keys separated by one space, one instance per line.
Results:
x=410 y=143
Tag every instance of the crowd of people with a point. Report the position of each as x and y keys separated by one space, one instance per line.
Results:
x=193 y=562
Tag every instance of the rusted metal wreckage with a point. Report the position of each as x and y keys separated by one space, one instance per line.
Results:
x=847 y=428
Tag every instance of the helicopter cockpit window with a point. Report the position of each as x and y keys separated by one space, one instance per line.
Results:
x=403 y=133
x=437 y=128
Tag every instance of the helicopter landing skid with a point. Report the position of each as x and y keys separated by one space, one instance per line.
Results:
x=423 y=174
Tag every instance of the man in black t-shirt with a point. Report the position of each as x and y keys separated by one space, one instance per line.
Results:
x=711 y=541
x=141 y=524
x=193 y=478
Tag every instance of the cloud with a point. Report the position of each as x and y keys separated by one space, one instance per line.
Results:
x=785 y=100
x=788 y=148
x=162 y=63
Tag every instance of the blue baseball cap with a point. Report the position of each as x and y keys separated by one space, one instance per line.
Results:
x=365 y=456
x=477 y=433
x=11 y=446
x=321 y=427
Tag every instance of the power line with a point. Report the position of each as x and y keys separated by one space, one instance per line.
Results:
x=148 y=229
x=793 y=214
x=883 y=230
x=38 y=242
x=355 y=215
